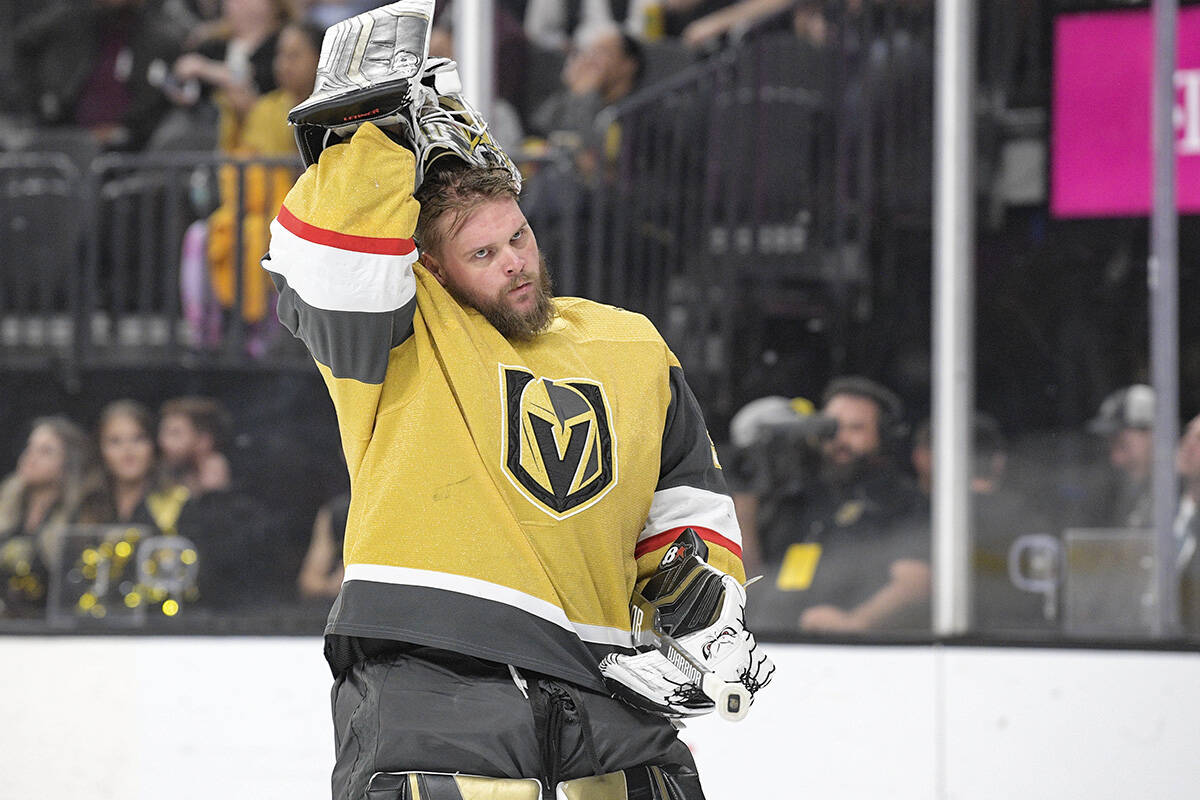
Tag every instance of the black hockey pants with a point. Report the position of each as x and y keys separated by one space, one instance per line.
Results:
x=429 y=710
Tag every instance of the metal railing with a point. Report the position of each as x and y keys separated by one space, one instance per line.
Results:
x=103 y=267
x=715 y=190
x=92 y=260
x=41 y=244
x=776 y=180
x=146 y=207
x=749 y=187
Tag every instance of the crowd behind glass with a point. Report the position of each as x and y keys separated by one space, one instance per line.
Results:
x=141 y=519
x=138 y=517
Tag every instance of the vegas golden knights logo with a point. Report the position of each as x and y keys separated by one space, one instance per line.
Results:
x=558 y=440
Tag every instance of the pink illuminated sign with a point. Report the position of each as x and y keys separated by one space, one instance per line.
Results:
x=1101 y=158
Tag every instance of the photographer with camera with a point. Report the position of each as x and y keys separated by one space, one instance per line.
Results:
x=832 y=514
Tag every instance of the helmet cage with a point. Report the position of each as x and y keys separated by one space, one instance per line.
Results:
x=450 y=125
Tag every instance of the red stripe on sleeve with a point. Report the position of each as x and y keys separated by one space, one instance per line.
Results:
x=375 y=245
x=666 y=537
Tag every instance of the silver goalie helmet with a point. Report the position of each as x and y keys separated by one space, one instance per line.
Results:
x=373 y=68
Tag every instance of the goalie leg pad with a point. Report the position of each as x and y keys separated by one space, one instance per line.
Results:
x=649 y=782
x=441 y=786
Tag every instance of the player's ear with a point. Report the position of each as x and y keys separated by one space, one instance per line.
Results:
x=434 y=265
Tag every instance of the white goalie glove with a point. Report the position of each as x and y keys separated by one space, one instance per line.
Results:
x=694 y=653
x=375 y=67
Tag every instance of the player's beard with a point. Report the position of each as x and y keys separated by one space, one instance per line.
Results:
x=512 y=324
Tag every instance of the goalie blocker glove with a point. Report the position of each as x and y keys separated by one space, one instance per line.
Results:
x=374 y=68
x=703 y=610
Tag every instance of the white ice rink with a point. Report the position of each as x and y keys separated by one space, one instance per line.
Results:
x=196 y=718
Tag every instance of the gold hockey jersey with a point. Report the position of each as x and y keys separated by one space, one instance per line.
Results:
x=506 y=496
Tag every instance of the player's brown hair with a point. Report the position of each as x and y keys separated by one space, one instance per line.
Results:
x=456 y=190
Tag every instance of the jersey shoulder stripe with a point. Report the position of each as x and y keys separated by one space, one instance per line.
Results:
x=378 y=245
x=652 y=543
x=335 y=279
x=687 y=506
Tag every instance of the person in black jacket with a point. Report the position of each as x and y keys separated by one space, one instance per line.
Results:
x=97 y=66
x=835 y=521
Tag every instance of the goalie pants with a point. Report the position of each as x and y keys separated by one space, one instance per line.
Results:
x=429 y=710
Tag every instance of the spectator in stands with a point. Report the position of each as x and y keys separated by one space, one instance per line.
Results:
x=807 y=21
x=321 y=572
x=209 y=272
x=230 y=528
x=1187 y=525
x=217 y=83
x=605 y=69
x=193 y=433
x=37 y=502
x=135 y=495
x=554 y=24
x=97 y=66
x=999 y=517
x=840 y=542
x=1126 y=420
x=134 y=490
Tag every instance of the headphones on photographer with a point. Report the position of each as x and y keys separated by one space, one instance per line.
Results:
x=893 y=430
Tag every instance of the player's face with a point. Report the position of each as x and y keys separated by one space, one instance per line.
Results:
x=492 y=264
x=126 y=448
x=858 y=429
x=43 y=459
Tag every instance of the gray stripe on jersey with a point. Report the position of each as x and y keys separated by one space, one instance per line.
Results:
x=687 y=457
x=353 y=344
x=463 y=623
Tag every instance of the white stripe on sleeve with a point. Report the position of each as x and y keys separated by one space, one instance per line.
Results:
x=333 y=279
x=685 y=505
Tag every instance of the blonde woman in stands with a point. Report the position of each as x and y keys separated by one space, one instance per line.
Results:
x=37 y=502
